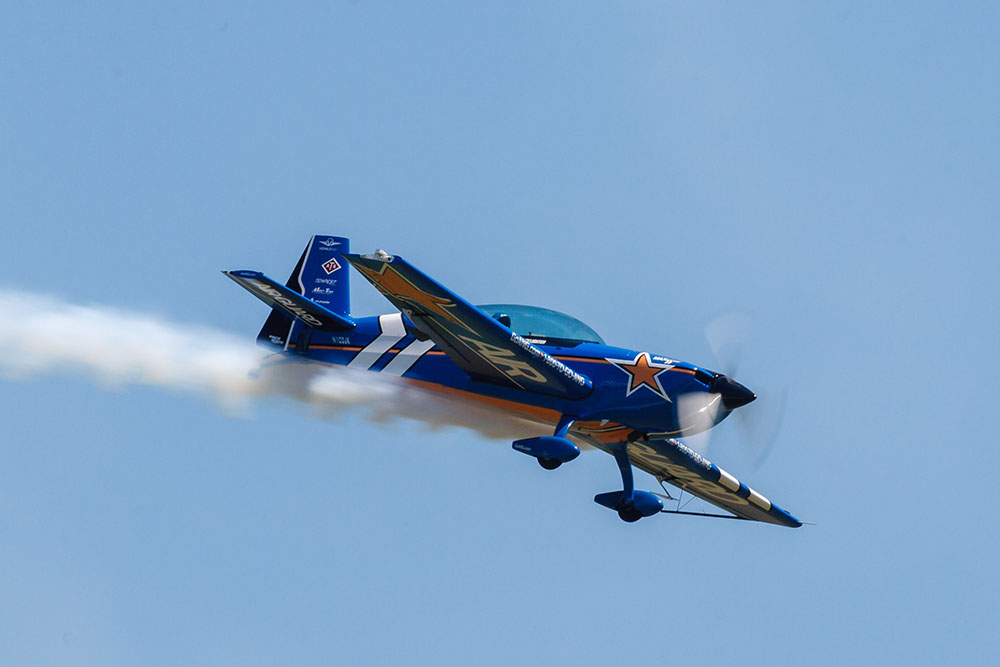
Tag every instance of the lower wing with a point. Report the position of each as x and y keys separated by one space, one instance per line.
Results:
x=671 y=461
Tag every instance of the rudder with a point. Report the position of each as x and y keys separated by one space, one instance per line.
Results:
x=320 y=275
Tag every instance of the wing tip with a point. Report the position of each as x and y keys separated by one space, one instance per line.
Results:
x=785 y=518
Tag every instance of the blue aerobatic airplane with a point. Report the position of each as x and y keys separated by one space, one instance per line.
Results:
x=535 y=364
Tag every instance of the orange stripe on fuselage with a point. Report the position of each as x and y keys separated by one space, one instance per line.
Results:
x=608 y=432
x=397 y=350
x=357 y=348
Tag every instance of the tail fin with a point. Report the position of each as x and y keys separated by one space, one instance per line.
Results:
x=321 y=275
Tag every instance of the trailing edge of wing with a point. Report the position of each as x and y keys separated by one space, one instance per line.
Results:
x=674 y=462
x=483 y=347
x=293 y=304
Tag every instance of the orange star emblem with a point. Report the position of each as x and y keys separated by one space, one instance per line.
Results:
x=643 y=372
x=396 y=286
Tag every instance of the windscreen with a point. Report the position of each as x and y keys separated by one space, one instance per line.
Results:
x=543 y=323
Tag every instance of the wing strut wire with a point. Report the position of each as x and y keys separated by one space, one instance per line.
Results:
x=705 y=514
x=680 y=507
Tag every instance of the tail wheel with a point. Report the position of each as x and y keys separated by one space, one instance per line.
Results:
x=549 y=464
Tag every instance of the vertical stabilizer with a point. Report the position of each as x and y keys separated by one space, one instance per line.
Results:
x=321 y=275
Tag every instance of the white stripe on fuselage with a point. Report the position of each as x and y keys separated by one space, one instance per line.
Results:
x=393 y=331
x=403 y=361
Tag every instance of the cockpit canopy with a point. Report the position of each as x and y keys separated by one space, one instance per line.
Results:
x=535 y=322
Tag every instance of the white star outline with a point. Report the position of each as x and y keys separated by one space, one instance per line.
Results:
x=659 y=391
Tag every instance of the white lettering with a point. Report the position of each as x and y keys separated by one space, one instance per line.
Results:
x=287 y=303
x=548 y=360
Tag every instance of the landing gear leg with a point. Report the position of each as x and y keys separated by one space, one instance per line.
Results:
x=630 y=504
x=626 y=509
x=562 y=428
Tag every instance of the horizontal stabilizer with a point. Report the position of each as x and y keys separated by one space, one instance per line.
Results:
x=279 y=297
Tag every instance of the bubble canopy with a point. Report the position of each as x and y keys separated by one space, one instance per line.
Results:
x=543 y=322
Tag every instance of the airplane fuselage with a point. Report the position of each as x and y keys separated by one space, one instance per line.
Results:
x=632 y=390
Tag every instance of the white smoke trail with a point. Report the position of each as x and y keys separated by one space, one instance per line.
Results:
x=42 y=334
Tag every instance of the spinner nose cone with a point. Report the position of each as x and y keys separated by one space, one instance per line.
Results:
x=734 y=395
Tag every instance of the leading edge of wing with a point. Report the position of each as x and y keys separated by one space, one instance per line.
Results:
x=676 y=463
x=480 y=345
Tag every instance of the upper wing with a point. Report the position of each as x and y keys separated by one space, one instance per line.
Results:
x=674 y=462
x=480 y=345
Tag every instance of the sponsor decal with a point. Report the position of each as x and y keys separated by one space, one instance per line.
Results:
x=549 y=361
x=322 y=290
x=290 y=305
x=331 y=265
x=325 y=281
x=695 y=457
x=330 y=243
x=277 y=340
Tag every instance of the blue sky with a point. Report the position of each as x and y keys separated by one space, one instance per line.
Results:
x=830 y=168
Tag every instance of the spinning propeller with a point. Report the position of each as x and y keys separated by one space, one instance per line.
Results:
x=698 y=412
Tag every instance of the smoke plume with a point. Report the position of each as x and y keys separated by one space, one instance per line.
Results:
x=41 y=334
